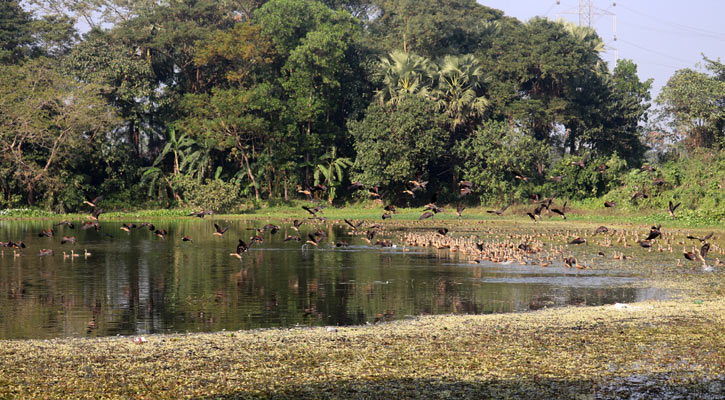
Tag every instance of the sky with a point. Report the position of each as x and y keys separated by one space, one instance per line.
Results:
x=660 y=36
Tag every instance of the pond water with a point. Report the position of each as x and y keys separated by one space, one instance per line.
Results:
x=138 y=283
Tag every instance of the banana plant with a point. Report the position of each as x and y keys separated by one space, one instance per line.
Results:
x=332 y=169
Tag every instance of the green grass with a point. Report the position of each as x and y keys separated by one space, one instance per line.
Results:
x=586 y=211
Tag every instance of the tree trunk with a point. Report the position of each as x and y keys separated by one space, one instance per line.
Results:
x=250 y=174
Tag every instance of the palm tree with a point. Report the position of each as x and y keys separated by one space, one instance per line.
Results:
x=458 y=79
x=404 y=74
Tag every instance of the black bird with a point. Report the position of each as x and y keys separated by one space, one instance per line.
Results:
x=46 y=233
x=201 y=214
x=373 y=192
x=690 y=256
x=241 y=249
x=128 y=227
x=672 y=207
x=93 y=202
x=96 y=213
x=187 y=238
x=219 y=230
x=354 y=226
x=313 y=211
x=443 y=231
x=610 y=204
x=369 y=235
x=704 y=249
x=459 y=209
x=532 y=216
x=560 y=212
x=16 y=245
x=701 y=239
x=638 y=195
x=654 y=232
x=522 y=177
x=499 y=212
x=342 y=243
x=306 y=192
x=314 y=240
x=67 y=223
x=582 y=162
x=578 y=240
x=270 y=227
x=68 y=239
x=425 y=215
x=161 y=233
x=91 y=224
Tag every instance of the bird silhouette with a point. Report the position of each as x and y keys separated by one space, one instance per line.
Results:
x=610 y=204
x=46 y=233
x=241 y=249
x=68 y=239
x=499 y=212
x=672 y=207
x=66 y=223
x=219 y=230
x=702 y=239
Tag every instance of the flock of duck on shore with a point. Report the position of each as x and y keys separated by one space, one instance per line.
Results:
x=524 y=248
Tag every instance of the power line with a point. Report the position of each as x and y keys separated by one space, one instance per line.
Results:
x=654 y=51
x=701 y=31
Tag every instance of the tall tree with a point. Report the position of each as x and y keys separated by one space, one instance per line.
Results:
x=695 y=103
x=431 y=28
x=45 y=117
x=15 y=32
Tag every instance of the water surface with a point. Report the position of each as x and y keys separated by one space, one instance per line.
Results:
x=138 y=283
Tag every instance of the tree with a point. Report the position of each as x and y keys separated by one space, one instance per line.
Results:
x=404 y=74
x=45 y=115
x=332 y=169
x=431 y=28
x=459 y=77
x=695 y=104
x=395 y=143
x=15 y=32
x=494 y=155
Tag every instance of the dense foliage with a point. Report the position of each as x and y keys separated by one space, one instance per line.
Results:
x=205 y=103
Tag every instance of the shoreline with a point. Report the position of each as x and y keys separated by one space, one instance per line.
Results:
x=653 y=348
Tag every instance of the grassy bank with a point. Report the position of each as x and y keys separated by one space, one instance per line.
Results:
x=653 y=349
x=586 y=212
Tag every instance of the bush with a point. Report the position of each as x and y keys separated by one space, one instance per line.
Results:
x=213 y=194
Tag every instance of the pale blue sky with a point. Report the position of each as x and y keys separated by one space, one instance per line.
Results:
x=660 y=36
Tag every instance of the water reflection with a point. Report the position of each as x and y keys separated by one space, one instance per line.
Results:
x=135 y=283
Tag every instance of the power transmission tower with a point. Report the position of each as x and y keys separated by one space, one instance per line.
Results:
x=588 y=12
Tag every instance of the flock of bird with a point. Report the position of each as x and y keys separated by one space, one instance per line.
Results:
x=505 y=251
